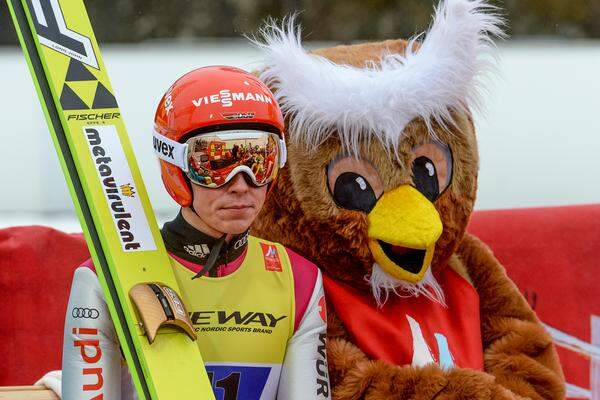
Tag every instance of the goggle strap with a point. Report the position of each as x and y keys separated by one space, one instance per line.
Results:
x=170 y=151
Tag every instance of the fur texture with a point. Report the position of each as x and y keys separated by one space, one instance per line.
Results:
x=379 y=98
x=519 y=357
x=383 y=285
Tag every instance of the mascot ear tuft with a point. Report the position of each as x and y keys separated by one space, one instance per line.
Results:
x=443 y=72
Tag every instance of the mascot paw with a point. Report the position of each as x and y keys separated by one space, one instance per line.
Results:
x=342 y=356
x=407 y=382
x=377 y=380
x=473 y=385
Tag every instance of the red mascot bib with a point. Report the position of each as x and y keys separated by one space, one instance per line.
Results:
x=414 y=330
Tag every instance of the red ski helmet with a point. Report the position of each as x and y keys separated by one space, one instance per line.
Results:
x=212 y=99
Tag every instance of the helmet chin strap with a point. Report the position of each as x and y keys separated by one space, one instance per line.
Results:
x=215 y=251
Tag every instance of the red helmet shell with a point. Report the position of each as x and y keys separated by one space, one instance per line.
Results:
x=211 y=97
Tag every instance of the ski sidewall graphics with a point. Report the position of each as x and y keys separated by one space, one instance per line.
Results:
x=107 y=189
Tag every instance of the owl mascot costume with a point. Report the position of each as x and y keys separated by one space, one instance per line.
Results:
x=380 y=184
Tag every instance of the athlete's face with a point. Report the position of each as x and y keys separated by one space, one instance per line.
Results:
x=231 y=208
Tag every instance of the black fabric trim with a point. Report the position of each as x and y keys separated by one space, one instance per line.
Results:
x=190 y=244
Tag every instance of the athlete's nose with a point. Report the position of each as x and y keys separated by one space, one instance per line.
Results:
x=238 y=184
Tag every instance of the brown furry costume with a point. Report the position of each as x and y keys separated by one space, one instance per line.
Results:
x=519 y=358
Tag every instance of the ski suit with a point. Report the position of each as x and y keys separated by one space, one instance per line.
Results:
x=259 y=317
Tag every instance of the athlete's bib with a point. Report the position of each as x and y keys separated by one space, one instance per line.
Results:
x=243 y=321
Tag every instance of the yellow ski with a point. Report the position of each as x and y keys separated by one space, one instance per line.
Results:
x=110 y=198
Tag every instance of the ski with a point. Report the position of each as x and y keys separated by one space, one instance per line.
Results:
x=110 y=199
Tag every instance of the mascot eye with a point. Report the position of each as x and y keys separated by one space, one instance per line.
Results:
x=352 y=191
x=425 y=178
x=353 y=183
x=432 y=169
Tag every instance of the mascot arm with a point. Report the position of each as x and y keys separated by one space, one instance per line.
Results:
x=518 y=351
x=354 y=376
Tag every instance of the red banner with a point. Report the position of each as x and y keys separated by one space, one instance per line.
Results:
x=553 y=255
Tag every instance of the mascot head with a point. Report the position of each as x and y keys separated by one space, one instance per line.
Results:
x=382 y=150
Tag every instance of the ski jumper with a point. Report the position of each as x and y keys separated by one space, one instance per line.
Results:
x=259 y=320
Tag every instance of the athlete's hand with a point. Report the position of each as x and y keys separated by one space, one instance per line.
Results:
x=53 y=381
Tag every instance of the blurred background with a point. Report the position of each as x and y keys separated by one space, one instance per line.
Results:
x=539 y=137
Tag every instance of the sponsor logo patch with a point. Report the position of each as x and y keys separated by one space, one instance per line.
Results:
x=238 y=115
x=163 y=148
x=271 y=257
x=114 y=174
x=168 y=105
x=322 y=370
x=93 y=116
x=83 y=91
x=241 y=241
x=88 y=341
x=323 y=308
x=83 y=312
x=197 y=250
x=53 y=32
x=226 y=98
x=127 y=190
x=179 y=309
x=235 y=321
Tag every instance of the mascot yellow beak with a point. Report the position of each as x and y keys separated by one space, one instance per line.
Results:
x=403 y=229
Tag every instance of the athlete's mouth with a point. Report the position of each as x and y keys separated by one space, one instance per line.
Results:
x=406 y=258
x=237 y=207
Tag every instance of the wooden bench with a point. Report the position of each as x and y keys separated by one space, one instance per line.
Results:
x=26 y=393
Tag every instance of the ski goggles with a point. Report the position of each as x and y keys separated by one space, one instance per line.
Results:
x=212 y=159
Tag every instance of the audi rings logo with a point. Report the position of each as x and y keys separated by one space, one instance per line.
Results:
x=80 y=312
x=241 y=241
